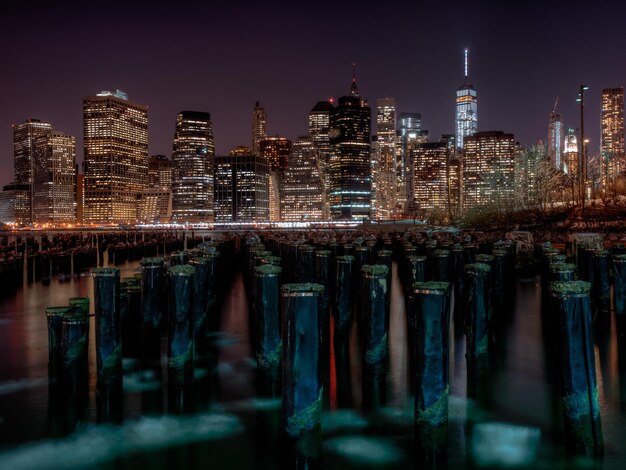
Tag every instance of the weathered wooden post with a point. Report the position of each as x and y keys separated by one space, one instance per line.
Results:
x=431 y=309
x=268 y=339
x=375 y=317
x=108 y=343
x=180 y=342
x=302 y=379
x=153 y=303
x=575 y=356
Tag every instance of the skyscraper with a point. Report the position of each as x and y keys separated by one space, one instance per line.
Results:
x=259 y=126
x=25 y=138
x=387 y=170
x=156 y=199
x=612 y=144
x=116 y=152
x=241 y=187
x=466 y=107
x=555 y=140
x=350 y=173
x=570 y=154
x=301 y=197
x=431 y=176
x=409 y=133
x=159 y=172
x=488 y=169
x=192 y=168
x=54 y=177
x=319 y=130
x=276 y=151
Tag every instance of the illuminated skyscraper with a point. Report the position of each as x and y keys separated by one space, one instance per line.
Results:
x=54 y=177
x=241 y=187
x=570 y=154
x=116 y=152
x=301 y=197
x=319 y=130
x=612 y=145
x=387 y=171
x=276 y=151
x=350 y=172
x=156 y=199
x=466 y=108
x=431 y=176
x=259 y=126
x=409 y=134
x=555 y=140
x=192 y=168
x=25 y=136
x=488 y=169
x=159 y=172
x=15 y=204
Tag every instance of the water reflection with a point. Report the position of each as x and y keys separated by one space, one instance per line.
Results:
x=519 y=388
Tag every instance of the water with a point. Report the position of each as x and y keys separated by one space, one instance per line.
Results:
x=239 y=430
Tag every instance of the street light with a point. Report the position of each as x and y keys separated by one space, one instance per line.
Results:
x=582 y=157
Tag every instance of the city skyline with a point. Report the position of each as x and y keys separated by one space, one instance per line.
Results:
x=513 y=73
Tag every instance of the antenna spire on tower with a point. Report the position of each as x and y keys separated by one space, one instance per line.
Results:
x=465 y=62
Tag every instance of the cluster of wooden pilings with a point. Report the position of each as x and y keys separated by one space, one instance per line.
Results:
x=576 y=305
x=174 y=299
x=41 y=257
x=307 y=293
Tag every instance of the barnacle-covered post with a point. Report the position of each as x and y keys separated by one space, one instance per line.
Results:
x=108 y=343
x=476 y=322
x=602 y=286
x=153 y=303
x=441 y=266
x=431 y=309
x=75 y=334
x=180 y=342
x=375 y=315
x=268 y=338
x=81 y=304
x=202 y=267
x=575 y=356
x=302 y=379
x=322 y=276
x=619 y=294
x=54 y=316
x=130 y=308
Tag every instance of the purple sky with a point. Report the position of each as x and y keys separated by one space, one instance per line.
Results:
x=221 y=57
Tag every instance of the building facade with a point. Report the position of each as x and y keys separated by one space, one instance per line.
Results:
x=192 y=168
x=259 y=126
x=431 y=176
x=54 y=179
x=387 y=170
x=555 y=140
x=612 y=143
x=26 y=137
x=488 y=170
x=350 y=189
x=466 y=108
x=159 y=172
x=409 y=134
x=301 y=198
x=570 y=154
x=116 y=152
x=15 y=200
x=241 y=187
x=276 y=151
x=319 y=131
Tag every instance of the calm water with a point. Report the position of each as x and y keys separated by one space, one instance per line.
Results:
x=240 y=431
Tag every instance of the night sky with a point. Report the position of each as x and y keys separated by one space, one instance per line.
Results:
x=221 y=57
